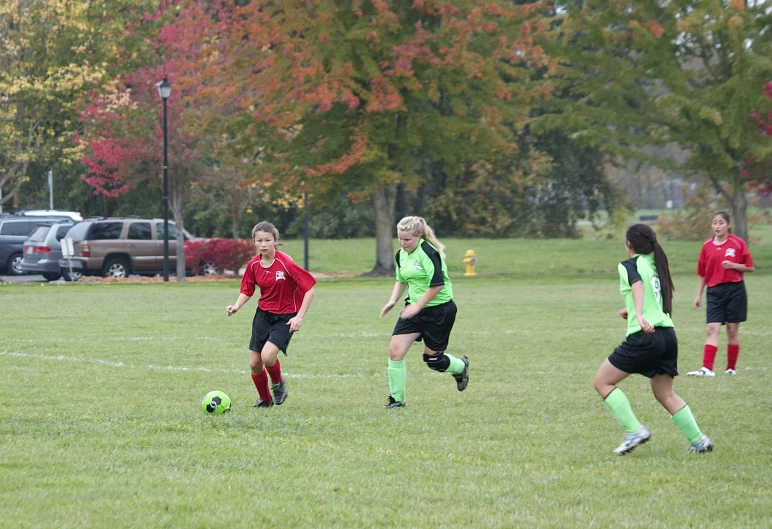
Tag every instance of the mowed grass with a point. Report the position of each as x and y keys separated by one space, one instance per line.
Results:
x=101 y=425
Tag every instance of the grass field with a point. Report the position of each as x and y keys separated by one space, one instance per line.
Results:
x=101 y=426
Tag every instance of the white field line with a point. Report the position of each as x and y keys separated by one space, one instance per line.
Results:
x=303 y=336
x=99 y=361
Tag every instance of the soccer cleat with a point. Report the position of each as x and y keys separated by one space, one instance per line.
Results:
x=731 y=371
x=393 y=403
x=463 y=379
x=263 y=404
x=279 y=392
x=701 y=372
x=631 y=440
x=702 y=446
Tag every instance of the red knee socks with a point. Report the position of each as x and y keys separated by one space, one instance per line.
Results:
x=709 y=356
x=261 y=383
x=732 y=352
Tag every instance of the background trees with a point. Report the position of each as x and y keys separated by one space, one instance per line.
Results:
x=489 y=118
x=653 y=73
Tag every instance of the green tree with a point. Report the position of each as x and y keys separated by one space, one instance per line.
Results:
x=647 y=72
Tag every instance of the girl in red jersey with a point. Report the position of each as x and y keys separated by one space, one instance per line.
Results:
x=723 y=261
x=286 y=292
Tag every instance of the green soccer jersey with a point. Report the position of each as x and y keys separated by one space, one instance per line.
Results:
x=642 y=268
x=422 y=269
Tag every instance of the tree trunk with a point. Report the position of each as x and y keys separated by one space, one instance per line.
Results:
x=740 y=211
x=384 y=200
x=235 y=214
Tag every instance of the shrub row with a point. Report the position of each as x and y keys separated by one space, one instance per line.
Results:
x=222 y=254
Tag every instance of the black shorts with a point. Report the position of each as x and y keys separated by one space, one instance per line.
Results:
x=727 y=303
x=432 y=323
x=269 y=327
x=648 y=354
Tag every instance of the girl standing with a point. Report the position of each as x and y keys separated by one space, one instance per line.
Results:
x=429 y=312
x=724 y=259
x=650 y=347
x=286 y=292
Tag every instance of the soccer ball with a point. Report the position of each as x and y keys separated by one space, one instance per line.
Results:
x=216 y=402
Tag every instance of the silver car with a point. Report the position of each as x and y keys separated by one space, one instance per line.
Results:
x=43 y=250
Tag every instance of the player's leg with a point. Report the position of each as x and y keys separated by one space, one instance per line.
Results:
x=737 y=312
x=436 y=325
x=260 y=379
x=270 y=355
x=260 y=332
x=398 y=348
x=606 y=379
x=680 y=413
x=715 y=317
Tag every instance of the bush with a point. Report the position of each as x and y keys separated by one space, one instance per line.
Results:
x=221 y=254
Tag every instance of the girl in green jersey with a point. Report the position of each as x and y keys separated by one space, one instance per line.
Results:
x=650 y=347
x=429 y=312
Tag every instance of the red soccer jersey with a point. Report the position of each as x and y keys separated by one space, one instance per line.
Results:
x=282 y=285
x=712 y=255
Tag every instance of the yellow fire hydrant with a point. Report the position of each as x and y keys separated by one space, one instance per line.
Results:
x=470 y=259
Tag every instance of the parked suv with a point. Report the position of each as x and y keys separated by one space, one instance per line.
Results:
x=14 y=230
x=119 y=246
x=43 y=252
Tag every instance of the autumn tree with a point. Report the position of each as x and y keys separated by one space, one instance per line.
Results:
x=342 y=95
x=646 y=72
x=52 y=54
x=757 y=173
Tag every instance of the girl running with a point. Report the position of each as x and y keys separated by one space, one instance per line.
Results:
x=650 y=347
x=429 y=312
x=286 y=292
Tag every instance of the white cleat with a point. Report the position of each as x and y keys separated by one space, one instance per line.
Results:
x=631 y=440
x=703 y=446
x=701 y=372
x=731 y=371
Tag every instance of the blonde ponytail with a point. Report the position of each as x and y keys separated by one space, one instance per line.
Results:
x=418 y=227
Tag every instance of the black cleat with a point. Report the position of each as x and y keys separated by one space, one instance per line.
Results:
x=279 y=392
x=463 y=379
x=263 y=404
x=393 y=403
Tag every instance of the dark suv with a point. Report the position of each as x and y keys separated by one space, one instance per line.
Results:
x=119 y=246
x=14 y=230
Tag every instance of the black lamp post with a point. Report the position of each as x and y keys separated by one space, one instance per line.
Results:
x=165 y=90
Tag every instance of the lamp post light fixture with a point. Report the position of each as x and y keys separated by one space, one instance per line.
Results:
x=165 y=90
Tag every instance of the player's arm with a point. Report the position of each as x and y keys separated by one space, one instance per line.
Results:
x=396 y=293
x=638 y=295
x=740 y=267
x=429 y=295
x=296 y=322
x=700 y=288
x=233 y=309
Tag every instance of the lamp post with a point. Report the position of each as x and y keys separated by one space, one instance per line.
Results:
x=165 y=90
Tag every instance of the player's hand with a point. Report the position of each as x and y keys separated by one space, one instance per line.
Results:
x=409 y=311
x=728 y=265
x=231 y=310
x=622 y=313
x=646 y=327
x=295 y=323
x=697 y=302
x=387 y=307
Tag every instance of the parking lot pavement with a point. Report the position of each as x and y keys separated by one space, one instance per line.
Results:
x=22 y=279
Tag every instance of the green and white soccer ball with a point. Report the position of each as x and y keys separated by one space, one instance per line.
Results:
x=216 y=402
